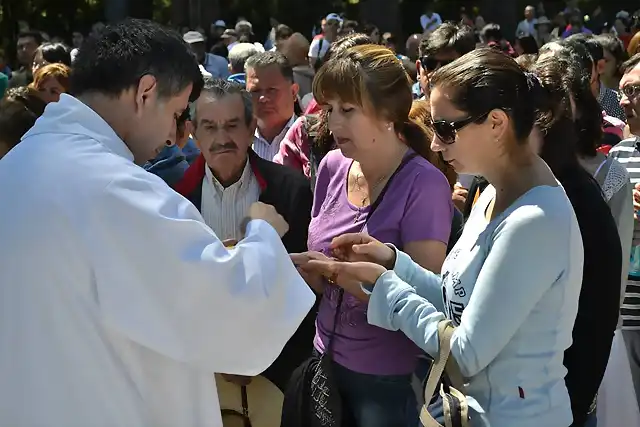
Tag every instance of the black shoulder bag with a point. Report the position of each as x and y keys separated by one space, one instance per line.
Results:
x=312 y=398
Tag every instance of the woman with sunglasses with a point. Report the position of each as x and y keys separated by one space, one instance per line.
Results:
x=511 y=283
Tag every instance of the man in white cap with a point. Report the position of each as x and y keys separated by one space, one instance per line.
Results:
x=319 y=46
x=214 y=64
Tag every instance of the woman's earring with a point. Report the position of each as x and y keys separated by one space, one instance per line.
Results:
x=389 y=127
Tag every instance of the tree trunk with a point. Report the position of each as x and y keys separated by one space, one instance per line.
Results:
x=115 y=10
x=179 y=10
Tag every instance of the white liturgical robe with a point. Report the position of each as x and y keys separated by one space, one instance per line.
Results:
x=117 y=302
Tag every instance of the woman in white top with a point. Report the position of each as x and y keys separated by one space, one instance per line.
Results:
x=511 y=283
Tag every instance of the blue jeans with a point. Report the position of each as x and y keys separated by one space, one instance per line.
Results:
x=376 y=400
x=592 y=421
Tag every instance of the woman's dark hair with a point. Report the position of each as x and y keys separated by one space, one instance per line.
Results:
x=486 y=79
x=19 y=110
x=574 y=80
x=614 y=46
x=579 y=52
x=528 y=44
x=555 y=119
x=55 y=53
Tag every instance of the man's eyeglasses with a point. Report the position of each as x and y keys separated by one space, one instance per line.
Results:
x=431 y=63
x=446 y=130
x=631 y=91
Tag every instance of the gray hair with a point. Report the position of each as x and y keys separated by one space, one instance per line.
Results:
x=239 y=54
x=215 y=88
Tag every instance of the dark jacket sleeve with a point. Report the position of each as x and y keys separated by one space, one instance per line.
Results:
x=599 y=302
x=298 y=216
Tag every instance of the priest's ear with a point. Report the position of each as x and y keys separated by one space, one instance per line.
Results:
x=146 y=91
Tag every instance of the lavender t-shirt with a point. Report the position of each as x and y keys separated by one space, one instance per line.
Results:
x=416 y=206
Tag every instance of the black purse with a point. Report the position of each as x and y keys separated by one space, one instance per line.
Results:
x=312 y=398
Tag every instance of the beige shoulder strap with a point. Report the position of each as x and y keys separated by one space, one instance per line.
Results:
x=442 y=363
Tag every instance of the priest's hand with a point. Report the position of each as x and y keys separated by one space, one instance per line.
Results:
x=356 y=247
x=237 y=379
x=315 y=280
x=348 y=275
x=268 y=213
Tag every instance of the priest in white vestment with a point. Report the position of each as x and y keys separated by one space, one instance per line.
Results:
x=117 y=302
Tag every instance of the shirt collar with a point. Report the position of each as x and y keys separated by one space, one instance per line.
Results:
x=241 y=184
x=282 y=133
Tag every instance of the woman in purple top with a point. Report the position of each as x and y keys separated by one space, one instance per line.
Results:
x=367 y=96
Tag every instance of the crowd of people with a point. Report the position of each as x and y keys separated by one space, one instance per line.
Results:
x=318 y=214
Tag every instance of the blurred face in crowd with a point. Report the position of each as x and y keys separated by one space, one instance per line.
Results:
x=199 y=49
x=630 y=101
x=375 y=36
x=529 y=13
x=38 y=61
x=26 y=48
x=223 y=133
x=620 y=26
x=272 y=94
x=427 y=65
x=50 y=89
x=388 y=41
x=331 y=28
x=77 y=39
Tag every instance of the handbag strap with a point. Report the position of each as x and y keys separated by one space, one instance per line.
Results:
x=374 y=207
x=443 y=363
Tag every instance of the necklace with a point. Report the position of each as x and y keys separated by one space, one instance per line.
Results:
x=358 y=186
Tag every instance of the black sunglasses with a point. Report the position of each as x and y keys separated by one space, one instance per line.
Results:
x=430 y=63
x=446 y=130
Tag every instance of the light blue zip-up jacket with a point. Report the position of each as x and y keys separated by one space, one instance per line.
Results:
x=511 y=287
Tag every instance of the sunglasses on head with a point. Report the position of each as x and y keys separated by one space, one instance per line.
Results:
x=430 y=63
x=446 y=130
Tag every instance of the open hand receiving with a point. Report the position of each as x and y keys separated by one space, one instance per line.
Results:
x=314 y=279
x=347 y=275
x=355 y=247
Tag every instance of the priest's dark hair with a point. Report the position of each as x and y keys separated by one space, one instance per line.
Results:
x=116 y=58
